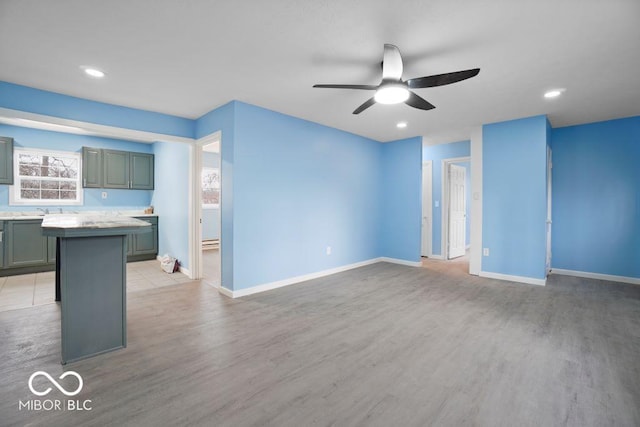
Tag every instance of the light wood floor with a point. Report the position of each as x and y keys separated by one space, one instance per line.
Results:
x=382 y=345
x=27 y=290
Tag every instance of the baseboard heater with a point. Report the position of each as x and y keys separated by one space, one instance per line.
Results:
x=210 y=244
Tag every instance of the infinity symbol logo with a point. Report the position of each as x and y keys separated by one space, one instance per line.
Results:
x=55 y=383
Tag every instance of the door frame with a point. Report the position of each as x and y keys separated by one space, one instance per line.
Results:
x=444 y=207
x=426 y=248
x=195 y=202
x=548 y=230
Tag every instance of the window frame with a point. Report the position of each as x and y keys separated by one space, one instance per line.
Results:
x=209 y=205
x=14 y=190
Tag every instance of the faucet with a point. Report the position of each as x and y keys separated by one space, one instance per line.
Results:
x=44 y=211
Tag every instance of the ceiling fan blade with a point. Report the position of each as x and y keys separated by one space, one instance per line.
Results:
x=363 y=87
x=442 y=79
x=364 y=106
x=416 y=101
x=391 y=63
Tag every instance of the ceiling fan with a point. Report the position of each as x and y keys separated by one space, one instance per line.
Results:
x=393 y=90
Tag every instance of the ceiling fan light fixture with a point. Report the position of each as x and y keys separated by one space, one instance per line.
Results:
x=391 y=94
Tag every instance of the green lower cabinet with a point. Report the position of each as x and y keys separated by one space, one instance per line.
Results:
x=25 y=245
x=2 y=244
x=129 y=245
x=23 y=248
x=51 y=250
x=144 y=245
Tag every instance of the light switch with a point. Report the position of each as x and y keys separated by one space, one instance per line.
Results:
x=437 y=203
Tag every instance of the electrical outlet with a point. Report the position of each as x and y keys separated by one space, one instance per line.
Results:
x=328 y=250
x=104 y=194
x=485 y=251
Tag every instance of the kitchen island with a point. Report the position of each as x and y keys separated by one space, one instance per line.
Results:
x=91 y=280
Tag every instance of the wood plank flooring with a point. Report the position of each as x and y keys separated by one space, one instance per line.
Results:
x=382 y=345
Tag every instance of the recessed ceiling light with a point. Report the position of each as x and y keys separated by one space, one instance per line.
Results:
x=553 y=93
x=401 y=125
x=93 y=72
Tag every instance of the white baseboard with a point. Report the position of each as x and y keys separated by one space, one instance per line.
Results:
x=292 y=280
x=510 y=278
x=226 y=292
x=598 y=276
x=399 y=261
x=432 y=256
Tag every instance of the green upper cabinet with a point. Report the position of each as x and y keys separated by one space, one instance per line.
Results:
x=91 y=167
x=6 y=160
x=115 y=169
x=123 y=169
x=142 y=171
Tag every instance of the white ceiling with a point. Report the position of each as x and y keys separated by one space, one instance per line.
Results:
x=189 y=57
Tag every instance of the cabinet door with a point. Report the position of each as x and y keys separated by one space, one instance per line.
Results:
x=51 y=249
x=115 y=169
x=25 y=245
x=6 y=160
x=129 y=244
x=2 y=239
x=91 y=167
x=147 y=241
x=142 y=171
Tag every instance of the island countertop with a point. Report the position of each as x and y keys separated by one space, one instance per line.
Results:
x=76 y=225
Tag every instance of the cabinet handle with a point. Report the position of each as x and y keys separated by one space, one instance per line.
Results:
x=84 y=182
x=1 y=233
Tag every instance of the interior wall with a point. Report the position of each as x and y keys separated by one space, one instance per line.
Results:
x=42 y=139
x=210 y=216
x=437 y=153
x=171 y=199
x=222 y=119
x=298 y=188
x=596 y=198
x=514 y=197
x=400 y=189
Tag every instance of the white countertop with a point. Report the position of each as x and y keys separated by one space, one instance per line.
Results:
x=91 y=221
x=13 y=215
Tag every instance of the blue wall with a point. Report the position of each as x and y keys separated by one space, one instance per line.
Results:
x=38 y=101
x=298 y=188
x=437 y=153
x=401 y=199
x=211 y=216
x=33 y=138
x=514 y=197
x=171 y=199
x=596 y=197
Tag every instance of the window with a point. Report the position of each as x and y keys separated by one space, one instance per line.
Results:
x=210 y=187
x=44 y=177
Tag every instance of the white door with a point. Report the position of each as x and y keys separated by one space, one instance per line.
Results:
x=427 y=169
x=457 y=211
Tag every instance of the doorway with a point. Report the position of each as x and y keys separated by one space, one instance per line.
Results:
x=456 y=207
